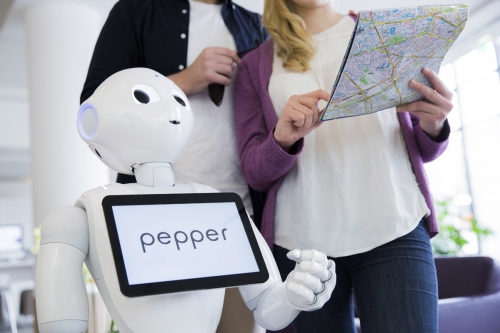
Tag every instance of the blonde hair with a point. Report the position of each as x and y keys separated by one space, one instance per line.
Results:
x=294 y=44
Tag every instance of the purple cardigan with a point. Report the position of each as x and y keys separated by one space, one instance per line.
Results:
x=264 y=164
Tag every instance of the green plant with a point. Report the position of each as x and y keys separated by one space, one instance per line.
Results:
x=453 y=229
x=113 y=328
x=480 y=232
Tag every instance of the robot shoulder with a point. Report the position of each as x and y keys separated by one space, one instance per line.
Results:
x=109 y=189
x=67 y=225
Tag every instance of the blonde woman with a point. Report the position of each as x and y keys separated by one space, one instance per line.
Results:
x=354 y=188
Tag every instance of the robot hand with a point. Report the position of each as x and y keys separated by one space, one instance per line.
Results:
x=310 y=285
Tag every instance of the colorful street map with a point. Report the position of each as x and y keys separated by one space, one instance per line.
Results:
x=389 y=47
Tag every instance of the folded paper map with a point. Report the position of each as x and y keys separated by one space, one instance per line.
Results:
x=389 y=47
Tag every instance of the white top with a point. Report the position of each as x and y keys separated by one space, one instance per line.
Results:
x=211 y=156
x=352 y=188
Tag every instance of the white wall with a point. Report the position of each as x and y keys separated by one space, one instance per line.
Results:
x=253 y=5
x=13 y=63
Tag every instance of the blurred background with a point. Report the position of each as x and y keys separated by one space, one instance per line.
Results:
x=45 y=49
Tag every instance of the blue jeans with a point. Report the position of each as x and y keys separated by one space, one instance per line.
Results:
x=394 y=285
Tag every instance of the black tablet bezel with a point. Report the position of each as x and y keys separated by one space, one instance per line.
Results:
x=212 y=282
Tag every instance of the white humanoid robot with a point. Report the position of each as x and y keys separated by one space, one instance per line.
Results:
x=138 y=122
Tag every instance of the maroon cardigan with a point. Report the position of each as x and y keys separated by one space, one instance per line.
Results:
x=264 y=164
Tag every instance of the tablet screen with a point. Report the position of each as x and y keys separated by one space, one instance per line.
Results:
x=179 y=242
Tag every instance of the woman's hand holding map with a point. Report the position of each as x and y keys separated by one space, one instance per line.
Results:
x=434 y=110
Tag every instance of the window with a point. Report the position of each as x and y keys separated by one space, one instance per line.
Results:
x=469 y=171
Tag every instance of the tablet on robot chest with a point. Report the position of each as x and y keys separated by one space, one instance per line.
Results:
x=167 y=243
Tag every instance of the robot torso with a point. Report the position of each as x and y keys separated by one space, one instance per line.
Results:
x=195 y=311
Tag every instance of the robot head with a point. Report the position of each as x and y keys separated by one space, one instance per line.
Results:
x=136 y=116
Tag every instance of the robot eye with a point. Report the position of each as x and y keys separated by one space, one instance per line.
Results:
x=180 y=100
x=145 y=94
x=141 y=96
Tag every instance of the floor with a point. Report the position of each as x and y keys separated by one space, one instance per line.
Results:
x=25 y=329
x=24 y=325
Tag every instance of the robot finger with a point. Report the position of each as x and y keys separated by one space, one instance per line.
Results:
x=329 y=285
x=294 y=255
x=319 y=270
x=310 y=281
x=301 y=291
x=312 y=255
x=316 y=256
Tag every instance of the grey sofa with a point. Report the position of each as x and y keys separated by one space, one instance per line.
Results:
x=469 y=294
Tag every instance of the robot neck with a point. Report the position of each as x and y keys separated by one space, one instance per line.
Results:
x=155 y=174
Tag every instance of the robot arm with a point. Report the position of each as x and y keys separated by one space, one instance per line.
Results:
x=61 y=297
x=308 y=287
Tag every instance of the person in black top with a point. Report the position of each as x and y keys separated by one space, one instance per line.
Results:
x=160 y=35
x=155 y=34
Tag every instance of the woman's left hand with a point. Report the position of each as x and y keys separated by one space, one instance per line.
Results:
x=435 y=109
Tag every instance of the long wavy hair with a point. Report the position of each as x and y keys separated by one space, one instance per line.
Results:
x=294 y=44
